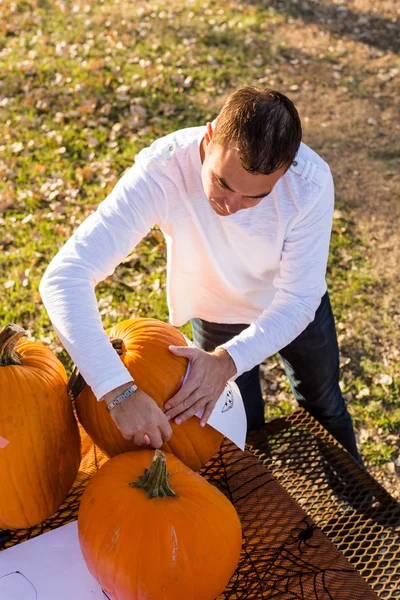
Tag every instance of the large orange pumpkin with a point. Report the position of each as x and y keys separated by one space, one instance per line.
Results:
x=150 y=528
x=143 y=347
x=40 y=444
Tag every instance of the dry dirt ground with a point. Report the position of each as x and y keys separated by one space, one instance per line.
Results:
x=349 y=103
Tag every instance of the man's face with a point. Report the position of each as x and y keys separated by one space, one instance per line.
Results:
x=227 y=185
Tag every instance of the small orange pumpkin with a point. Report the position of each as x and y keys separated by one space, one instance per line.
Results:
x=143 y=346
x=40 y=446
x=151 y=528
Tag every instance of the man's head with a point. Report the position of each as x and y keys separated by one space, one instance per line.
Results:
x=254 y=141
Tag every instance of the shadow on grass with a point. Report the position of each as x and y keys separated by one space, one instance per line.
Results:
x=364 y=27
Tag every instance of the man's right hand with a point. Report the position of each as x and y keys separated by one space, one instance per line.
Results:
x=138 y=417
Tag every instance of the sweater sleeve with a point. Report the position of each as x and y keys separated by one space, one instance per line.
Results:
x=299 y=283
x=93 y=252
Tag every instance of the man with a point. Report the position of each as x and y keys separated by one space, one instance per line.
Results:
x=246 y=210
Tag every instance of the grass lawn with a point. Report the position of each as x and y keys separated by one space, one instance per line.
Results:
x=85 y=85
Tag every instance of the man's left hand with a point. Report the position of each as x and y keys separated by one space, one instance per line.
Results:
x=208 y=375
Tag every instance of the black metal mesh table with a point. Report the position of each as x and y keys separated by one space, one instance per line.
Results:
x=285 y=553
x=355 y=512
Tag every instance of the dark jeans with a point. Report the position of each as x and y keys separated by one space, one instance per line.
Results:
x=311 y=363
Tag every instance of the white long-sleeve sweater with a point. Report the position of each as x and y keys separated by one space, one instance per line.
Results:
x=264 y=266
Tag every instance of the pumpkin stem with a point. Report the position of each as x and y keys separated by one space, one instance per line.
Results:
x=76 y=382
x=154 y=479
x=8 y=338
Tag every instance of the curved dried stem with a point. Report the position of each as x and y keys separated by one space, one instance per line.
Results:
x=155 y=479
x=8 y=339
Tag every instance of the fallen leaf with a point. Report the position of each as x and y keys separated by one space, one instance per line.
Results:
x=383 y=379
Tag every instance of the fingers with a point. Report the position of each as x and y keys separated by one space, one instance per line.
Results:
x=185 y=351
x=152 y=438
x=182 y=401
x=165 y=428
x=207 y=413
x=155 y=438
x=187 y=414
x=153 y=433
x=141 y=421
x=139 y=439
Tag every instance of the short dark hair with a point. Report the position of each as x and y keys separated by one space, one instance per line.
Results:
x=263 y=125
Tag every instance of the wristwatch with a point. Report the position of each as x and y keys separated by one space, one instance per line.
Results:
x=122 y=397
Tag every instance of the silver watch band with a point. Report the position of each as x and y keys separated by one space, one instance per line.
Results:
x=122 y=397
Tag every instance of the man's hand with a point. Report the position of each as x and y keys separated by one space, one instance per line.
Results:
x=208 y=375
x=139 y=418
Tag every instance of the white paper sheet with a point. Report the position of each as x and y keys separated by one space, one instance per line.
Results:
x=48 y=567
x=229 y=415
